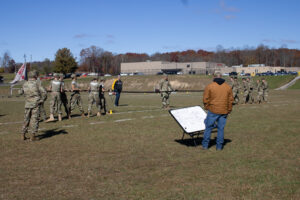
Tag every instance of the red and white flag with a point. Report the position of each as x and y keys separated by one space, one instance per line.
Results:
x=21 y=75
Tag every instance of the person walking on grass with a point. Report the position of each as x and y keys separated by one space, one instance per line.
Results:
x=217 y=99
x=165 y=89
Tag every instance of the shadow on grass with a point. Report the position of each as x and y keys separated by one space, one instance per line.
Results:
x=52 y=132
x=190 y=142
x=123 y=105
x=2 y=115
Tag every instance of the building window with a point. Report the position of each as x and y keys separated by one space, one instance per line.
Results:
x=188 y=66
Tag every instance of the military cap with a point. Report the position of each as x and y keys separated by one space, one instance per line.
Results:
x=73 y=76
x=217 y=73
x=56 y=75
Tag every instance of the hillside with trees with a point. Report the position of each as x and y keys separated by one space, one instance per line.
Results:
x=96 y=59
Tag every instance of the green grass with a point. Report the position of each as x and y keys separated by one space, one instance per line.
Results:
x=143 y=158
x=295 y=86
x=179 y=82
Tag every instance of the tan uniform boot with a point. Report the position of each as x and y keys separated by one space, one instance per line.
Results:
x=23 y=136
x=82 y=115
x=59 y=117
x=89 y=114
x=98 y=114
x=51 y=118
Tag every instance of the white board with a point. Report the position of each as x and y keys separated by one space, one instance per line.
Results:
x=190 y=119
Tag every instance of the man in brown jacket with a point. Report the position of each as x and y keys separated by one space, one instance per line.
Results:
x=217 y=99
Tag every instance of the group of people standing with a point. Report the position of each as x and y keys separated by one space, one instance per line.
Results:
x=36 y=95
x=251 y=92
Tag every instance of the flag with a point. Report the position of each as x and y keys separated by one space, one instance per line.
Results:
x=21 y=75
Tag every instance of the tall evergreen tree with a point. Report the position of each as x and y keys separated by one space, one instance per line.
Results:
x=64 y=61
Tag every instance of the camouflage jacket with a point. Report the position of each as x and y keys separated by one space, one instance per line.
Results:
x=245 y=86
x=165 y=86
x=259 y=87
x=265 y=86
x=235 y=86
x=33 y=93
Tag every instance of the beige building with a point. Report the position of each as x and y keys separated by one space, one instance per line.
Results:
x=254 y=70
x=154 y=67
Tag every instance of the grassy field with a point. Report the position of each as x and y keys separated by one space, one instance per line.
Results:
x=295 y=86
x=149 y=83
x=136 y=153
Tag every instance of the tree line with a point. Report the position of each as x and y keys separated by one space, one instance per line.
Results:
x=96 y=59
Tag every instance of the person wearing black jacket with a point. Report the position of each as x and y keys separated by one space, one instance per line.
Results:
x=118 y=89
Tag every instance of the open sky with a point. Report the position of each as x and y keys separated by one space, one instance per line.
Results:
x=40 y=27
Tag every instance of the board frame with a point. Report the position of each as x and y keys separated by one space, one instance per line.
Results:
x=191 y=134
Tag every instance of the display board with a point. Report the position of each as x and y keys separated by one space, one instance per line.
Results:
x=191 y=119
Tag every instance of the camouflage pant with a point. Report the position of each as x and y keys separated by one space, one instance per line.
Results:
x=251 y=97
x=245 y=96
x=42 y=112
x=64 y=101
x=235 y=95
x=55 y=103
x=103 y=104
x=76 y=100
x=265 y=95
x=165 y=99
x=259 y=97
x=94 y=98
x=31 y=118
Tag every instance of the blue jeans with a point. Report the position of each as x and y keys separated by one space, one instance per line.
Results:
x=117 y=98
x=210 y=121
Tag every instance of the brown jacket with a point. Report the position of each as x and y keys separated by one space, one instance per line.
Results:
x=217 y=97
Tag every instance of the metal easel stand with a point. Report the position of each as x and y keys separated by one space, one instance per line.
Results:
x=192 y=135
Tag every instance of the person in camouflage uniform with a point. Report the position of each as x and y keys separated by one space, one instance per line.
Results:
x=251 y=89
x=235 y=89
x=75 y=97
x=33 y=97
x=42 y=112
x=63 y=95
x=56 y=89
x=94 y=97
x=102 y=96
x=259 y=91
x=245 y=89
x=265 y=90
x=165 y=90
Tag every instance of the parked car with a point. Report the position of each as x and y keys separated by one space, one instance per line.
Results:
x=107 y=75
x=233 y=74
x=179 y=73
x=84 y=75
x=46 y=77
x=159 y=73
x=242 y=74
x=247 y=74
x=292 y=73
x=1 y=79
x=258 y=74
x=225 y=74
x=123 y=74
x=92 y=74
x=138 y=73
